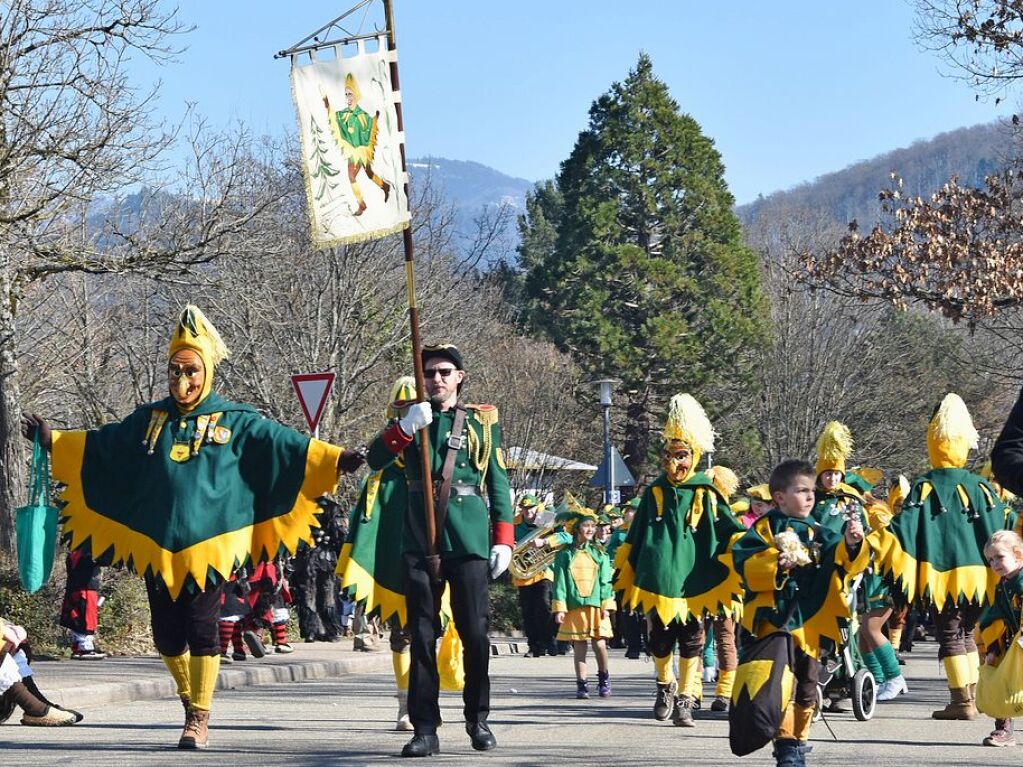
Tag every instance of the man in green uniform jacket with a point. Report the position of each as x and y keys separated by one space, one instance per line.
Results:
x=473 y=541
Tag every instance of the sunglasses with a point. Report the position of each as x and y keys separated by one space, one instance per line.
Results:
x=443 y=372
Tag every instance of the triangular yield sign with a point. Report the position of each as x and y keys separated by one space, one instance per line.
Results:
x=312 y=389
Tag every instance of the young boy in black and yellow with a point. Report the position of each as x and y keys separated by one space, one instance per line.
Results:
x=795 y=574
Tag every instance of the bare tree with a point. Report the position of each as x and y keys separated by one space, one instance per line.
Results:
x=73 y=129
x=981 y=39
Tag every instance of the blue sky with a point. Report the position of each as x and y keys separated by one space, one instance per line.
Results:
x=787 y=90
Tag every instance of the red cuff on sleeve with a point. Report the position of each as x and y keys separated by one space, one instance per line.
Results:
x=395 y=439
x=504 y=534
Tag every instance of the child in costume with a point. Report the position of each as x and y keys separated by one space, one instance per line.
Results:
x=1000 y=622
x=79 y=612
x=933 y=550
x=720 y=628
x=840 y=493
x=669 y=565
x=795 y=573
x=582 y=600
x=183 y=491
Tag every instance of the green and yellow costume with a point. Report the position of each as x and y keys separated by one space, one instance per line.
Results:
x=815 y=594
x=674 y=560
x=185 y=494
x=188 y=497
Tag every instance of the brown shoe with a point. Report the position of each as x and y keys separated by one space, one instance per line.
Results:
x=196 y=733
x=683 y=711
x=720 y=703
x=664 y=705
x=1002 y=735
x=53 y=717
x=960 y=706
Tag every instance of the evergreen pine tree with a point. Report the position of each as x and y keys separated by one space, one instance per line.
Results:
x=634 y=261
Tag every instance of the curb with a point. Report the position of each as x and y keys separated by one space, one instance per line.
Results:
x=227 y=679
x=232 y=678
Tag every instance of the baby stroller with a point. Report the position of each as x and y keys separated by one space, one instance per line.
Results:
x=843 y=673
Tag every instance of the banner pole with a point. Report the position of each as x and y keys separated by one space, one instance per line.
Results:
x=432 y=558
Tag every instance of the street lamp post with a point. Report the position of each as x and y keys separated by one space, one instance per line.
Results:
x=606 y=387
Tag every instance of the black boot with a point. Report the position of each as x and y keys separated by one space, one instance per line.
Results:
x=789 y=752
x=421 y=745
x=481 y=736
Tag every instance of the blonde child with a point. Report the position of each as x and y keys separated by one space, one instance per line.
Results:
x=583 y=601
x=1004 y=554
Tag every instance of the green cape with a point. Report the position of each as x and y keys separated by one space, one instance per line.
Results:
x=370 y=565
x=934 y=548
x=674 y=559
x=245 y=491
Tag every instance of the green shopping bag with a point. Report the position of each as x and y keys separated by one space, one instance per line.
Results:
x=36 y=525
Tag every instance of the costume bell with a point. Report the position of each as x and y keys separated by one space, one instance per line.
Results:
x=670 y=565
x=183 y=491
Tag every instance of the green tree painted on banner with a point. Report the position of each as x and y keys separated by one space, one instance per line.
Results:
x=322 y=170
x=633 y=260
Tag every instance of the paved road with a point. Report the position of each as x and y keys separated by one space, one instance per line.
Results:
x=536 y=719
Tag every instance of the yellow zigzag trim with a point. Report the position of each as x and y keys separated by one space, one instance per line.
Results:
x=975 y=583
x=635 y=598
x=222 y=553
x=362 y=587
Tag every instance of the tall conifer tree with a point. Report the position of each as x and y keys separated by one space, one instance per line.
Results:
x=634 y=260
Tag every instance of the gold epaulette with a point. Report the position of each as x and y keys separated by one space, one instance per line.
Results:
x=486 y=414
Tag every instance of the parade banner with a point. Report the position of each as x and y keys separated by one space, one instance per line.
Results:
x=351 y=146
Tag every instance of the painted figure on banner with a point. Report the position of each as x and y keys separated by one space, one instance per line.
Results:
x=356 y=134
x=348 y=122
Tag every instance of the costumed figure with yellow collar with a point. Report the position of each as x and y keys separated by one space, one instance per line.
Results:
x=355 y=132
x=796 y=573
x=933 y=550
x=370 y=566
x=669 y=566
x=184 y=491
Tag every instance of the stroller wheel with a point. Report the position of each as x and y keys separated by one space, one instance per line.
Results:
x=864 y=694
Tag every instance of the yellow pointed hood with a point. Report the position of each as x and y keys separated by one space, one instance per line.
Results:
x=194 y=331
x=951 y=434
x=834 y=447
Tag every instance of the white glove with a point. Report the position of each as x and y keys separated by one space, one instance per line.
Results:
x=500 y=558
x=418 y=416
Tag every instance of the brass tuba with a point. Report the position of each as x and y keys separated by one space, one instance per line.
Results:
x=527 y=559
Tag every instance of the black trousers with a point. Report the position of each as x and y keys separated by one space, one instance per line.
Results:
x=470 y=606
x=537 y=621
x=689 y=635
x=315 y=591
x=186 y=623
